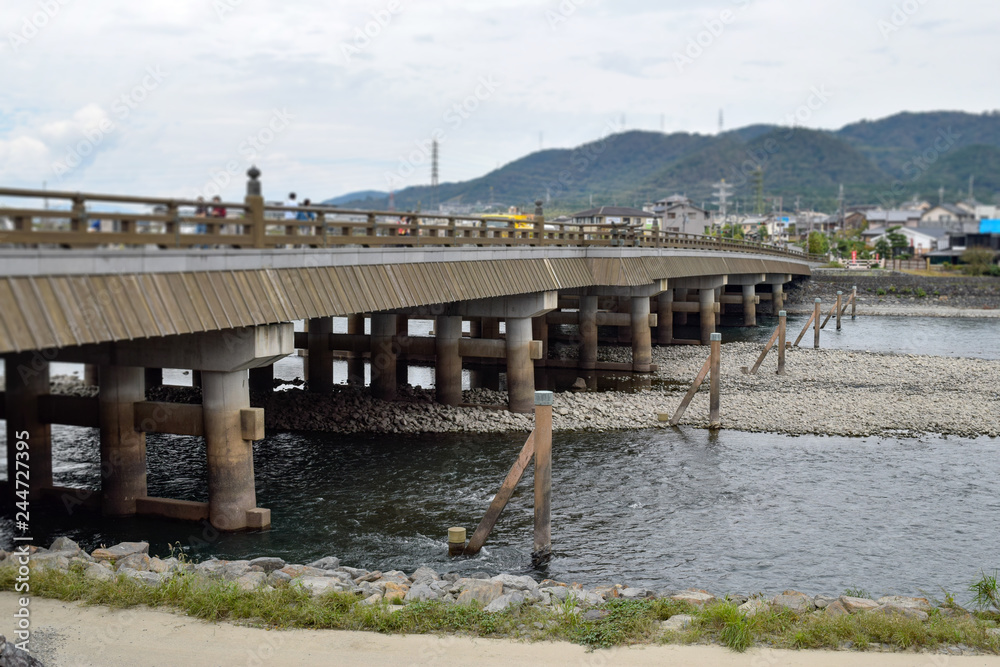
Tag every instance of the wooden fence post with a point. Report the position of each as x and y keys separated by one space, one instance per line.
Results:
x=854 y=302
x=542 y=552
x=782 y=323
x=816 y=313
x=840 y=297
x=713 y=397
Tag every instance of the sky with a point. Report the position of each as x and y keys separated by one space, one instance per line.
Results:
x=178 y=98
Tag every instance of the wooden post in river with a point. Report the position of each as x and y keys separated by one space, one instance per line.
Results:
x=854 y=302
x=782 y=323
x=713 y=395
x=542 y=552
x=840 y=297
x=816 y=316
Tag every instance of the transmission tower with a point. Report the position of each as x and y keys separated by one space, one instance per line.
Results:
x=434 y=174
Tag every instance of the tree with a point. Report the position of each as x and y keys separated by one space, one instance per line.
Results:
x=882 y=247
x=897 y=241
x=977 y=261
x=818 y=243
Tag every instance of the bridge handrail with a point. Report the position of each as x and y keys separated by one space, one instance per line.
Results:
x=252 y=228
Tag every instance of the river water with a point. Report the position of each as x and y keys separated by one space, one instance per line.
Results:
x=731 y=511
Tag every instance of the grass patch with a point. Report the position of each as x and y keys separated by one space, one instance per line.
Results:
x=624 y=621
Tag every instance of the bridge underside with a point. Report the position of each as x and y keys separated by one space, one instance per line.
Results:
x=229 y=317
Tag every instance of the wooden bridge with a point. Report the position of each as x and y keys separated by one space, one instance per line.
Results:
x=167 y=287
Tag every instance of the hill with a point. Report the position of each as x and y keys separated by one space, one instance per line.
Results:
x=635 y=167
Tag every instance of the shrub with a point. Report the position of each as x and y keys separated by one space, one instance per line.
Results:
x=978 y=261
x=880 y=291
x=921 y=293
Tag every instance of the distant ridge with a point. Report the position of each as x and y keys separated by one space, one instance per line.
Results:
x=882 y=161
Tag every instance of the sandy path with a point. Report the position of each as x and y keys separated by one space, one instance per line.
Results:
x=70 y=635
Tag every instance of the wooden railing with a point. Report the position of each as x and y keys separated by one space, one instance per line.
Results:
x=175 y=223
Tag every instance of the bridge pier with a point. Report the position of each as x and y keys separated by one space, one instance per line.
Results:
x=448 y=361
x=587 y=357
x=123 y=448
x=402 y=362
x=707 y=303
x=681 y=296
x=231 y=493
x=540 y=331
x=91 y=375
x=777 y=282
x=665 y=317
x=520 y=369
x=642 y=343
x=262 y=380
x=383 y=356
x=356 y=360
x=27 y=381
x=319 y=359
x=749 y=305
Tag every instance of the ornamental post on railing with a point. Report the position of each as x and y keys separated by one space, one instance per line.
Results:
x=539 y=222
x=78 y=219
x=255 y=207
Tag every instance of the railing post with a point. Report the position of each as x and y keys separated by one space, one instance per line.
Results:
x=542 y=551
x=539 y=223
x=255 y=208
x=78 y=220
x=174 y=214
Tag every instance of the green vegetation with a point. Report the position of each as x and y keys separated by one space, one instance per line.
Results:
x=817 y=243
x=977 y=261
x=986 y=595
x=921 y=292
x=857 y=593
x=621 y=622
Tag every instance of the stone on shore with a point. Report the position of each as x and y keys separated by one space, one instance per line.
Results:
x=423 y=575
x=511 y=599
x=677 y=623
x=139 y=562
x=795 y=601
x=64 y=544
x=268 y=564
x=479 y=590
x=835 y=609
x=120 y=551
x=12 y=656
x=395 y=591
x=98 y=573
x=923 y=604
x=327 y=563
x=694 y=596
x=420 y=592
x=517 y=583
x=252 y=581
x=854 y=605
x=752 y=606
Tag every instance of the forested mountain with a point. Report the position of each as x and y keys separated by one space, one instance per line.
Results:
x=884 y=161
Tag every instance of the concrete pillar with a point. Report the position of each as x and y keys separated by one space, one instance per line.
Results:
x=27 y=378
x=520 y=369
x=707 y=302
x=540 y=331
x=356 y=360
x=681 y=295
x=749 y=305
x=91 y=376
x=642 y=343
x=665 y=317
x=195 y=378
x=153 y=377
x=123 y=449
x=262 y=380
x=588 y=333
x=777 y=298
x=383 y=362
x=624 y=334
x=476 y=327
x=719 y=291
x=402 y=363
x=320 y=359
x=231 y=491
x=448 y=362
x=491 y=327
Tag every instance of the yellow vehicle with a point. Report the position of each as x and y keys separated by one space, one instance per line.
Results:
x=520 y=220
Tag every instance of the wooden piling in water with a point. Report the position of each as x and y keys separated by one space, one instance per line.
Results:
x=840 y=297
x=702 y=374
x=542 y=551
x=456 y=541
x=782 y=325
x=854 y=302
x=816 y=316
x=713 y=396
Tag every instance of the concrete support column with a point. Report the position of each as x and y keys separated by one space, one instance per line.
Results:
x=383 y=362
x=707 y=302
x=665 y=317
x=476 y=327
x=27 y=378
x=642 y=343
x=402 y=363
x=520 y=369
x=491 y=327
x=777 y=298
x=448 y=362
x=231 y=491
x=356 y=361
x=123 y=449
x=680 y=296
x=262 y=380
x=719 y=291
x=91 y=376
x=195 y=378
x=624 y=305
x=749 y=305
x=320 y=358
x=588 y=333
x=540 y=331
